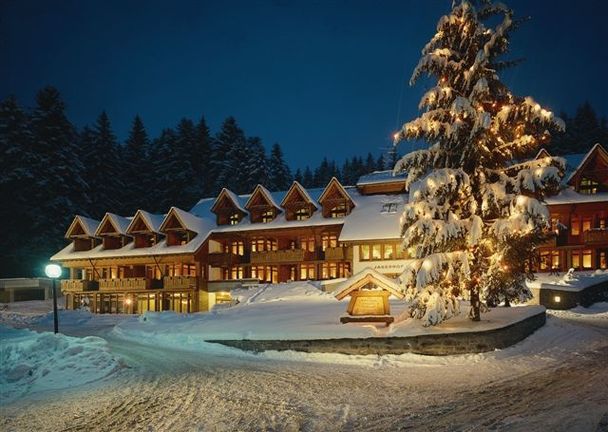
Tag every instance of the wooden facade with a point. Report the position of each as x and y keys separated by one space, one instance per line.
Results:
x=180 y=262
x=581 y=223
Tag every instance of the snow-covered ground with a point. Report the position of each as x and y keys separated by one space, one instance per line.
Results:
x=554 y=380
x=297 y=310
x=576 y=281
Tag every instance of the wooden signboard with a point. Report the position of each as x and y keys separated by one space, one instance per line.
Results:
x=369 y=292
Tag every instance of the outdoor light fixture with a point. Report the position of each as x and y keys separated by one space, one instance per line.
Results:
x=128 y=301
x=557 y=299
x=53 y=271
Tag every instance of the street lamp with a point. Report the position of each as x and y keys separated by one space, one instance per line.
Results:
x=53 y=271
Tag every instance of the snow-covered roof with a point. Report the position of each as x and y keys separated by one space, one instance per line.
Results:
x=570 y=196
x=374 y=218
x=89 y=226
x=153 y=221
x=120 y=223
x=238 y=202
x=363 y=277
x=302 y=190
x=378 y=177
x=188 y=221
x=266 y=193
x=577 y=161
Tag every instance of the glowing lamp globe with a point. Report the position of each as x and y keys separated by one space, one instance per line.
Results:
x=53 y=271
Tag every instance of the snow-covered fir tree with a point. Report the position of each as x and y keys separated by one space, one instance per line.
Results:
x=279 y=175
x=475 y=211
x=135 y=172
x=257 y=164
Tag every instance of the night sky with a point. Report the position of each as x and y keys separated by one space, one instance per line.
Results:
x=323 y=78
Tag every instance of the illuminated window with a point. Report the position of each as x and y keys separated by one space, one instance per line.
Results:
x=602 y=224
x=265 y=273
x=586 y=224
x=329 y=240
x=302 y=213
x=364 y=253
x=339 y=211
x=307 y=271
x=237 y=272
x=603 y=260
x=307 y=243
x=555 y=260
x=268 y=216
x=260 y=244
x=587 y=262
x=576 y=259
x=588 y=186
x=335 y=270
x=376 y=252
x=235 y=218
x=388 y=252
x=575 y=228
x=544 y=260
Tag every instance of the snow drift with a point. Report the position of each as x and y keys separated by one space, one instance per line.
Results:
x=32 y=362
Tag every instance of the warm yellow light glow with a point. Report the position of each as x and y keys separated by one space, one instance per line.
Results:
x=396 y=136
x=128 y=301
x=557 y=299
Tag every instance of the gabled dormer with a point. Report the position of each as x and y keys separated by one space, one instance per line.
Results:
x=335 y=201
x=180 y=227
x=542 y=153
x=145 y=229
x=261 y=206
x=591 y=175
x=297 y=203
x=113 y=231
x=227 y=208
x=82 y=233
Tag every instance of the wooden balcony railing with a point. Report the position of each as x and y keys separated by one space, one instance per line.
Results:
x=596 y=236
x=78 y=285
x=338 y=253
x=180 y=282
x=224 y=259
x=278 y=256
x=125 y=284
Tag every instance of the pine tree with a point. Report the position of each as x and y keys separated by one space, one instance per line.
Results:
x=160 y=152
x=380 y=163
x=308 y=180
x=279 y=175
x=256 y=169
x=474 y=216
x=225 y=163
x=298 y=176
x=201 y=155
x=17 y=187
x=347 y=173
x=136 y=170
x=370 y=164
x=181 y=180
x=102 y=164
x=61 y=191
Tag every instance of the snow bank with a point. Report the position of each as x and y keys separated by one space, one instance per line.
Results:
x=293 y=311
x=577 y=281
x=32 y=362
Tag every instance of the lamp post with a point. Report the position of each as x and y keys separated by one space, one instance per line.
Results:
x=53 y=271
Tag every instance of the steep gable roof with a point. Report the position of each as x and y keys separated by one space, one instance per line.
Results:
x=265 y=193
x=82 y=226
x=151 y=221
x=596 y=149
x=186 y=220
x=334 y=183
x=366 y=276
x=119 y=223
x=298 y=188
x=231 y=196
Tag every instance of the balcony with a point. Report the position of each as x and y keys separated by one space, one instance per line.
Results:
x=78 y=285
x=224 y=259
x=596 y=236
x=280 y=256
x=180 y=282
x=338 y=253
x=127 y=284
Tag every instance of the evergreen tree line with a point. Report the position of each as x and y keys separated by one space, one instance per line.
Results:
x=50 y=171
x=583 y=131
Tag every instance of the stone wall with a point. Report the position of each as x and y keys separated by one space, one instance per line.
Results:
x=441 y=344
x=556 y=298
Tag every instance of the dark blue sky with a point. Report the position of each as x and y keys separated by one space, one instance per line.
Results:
x=323 y=78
